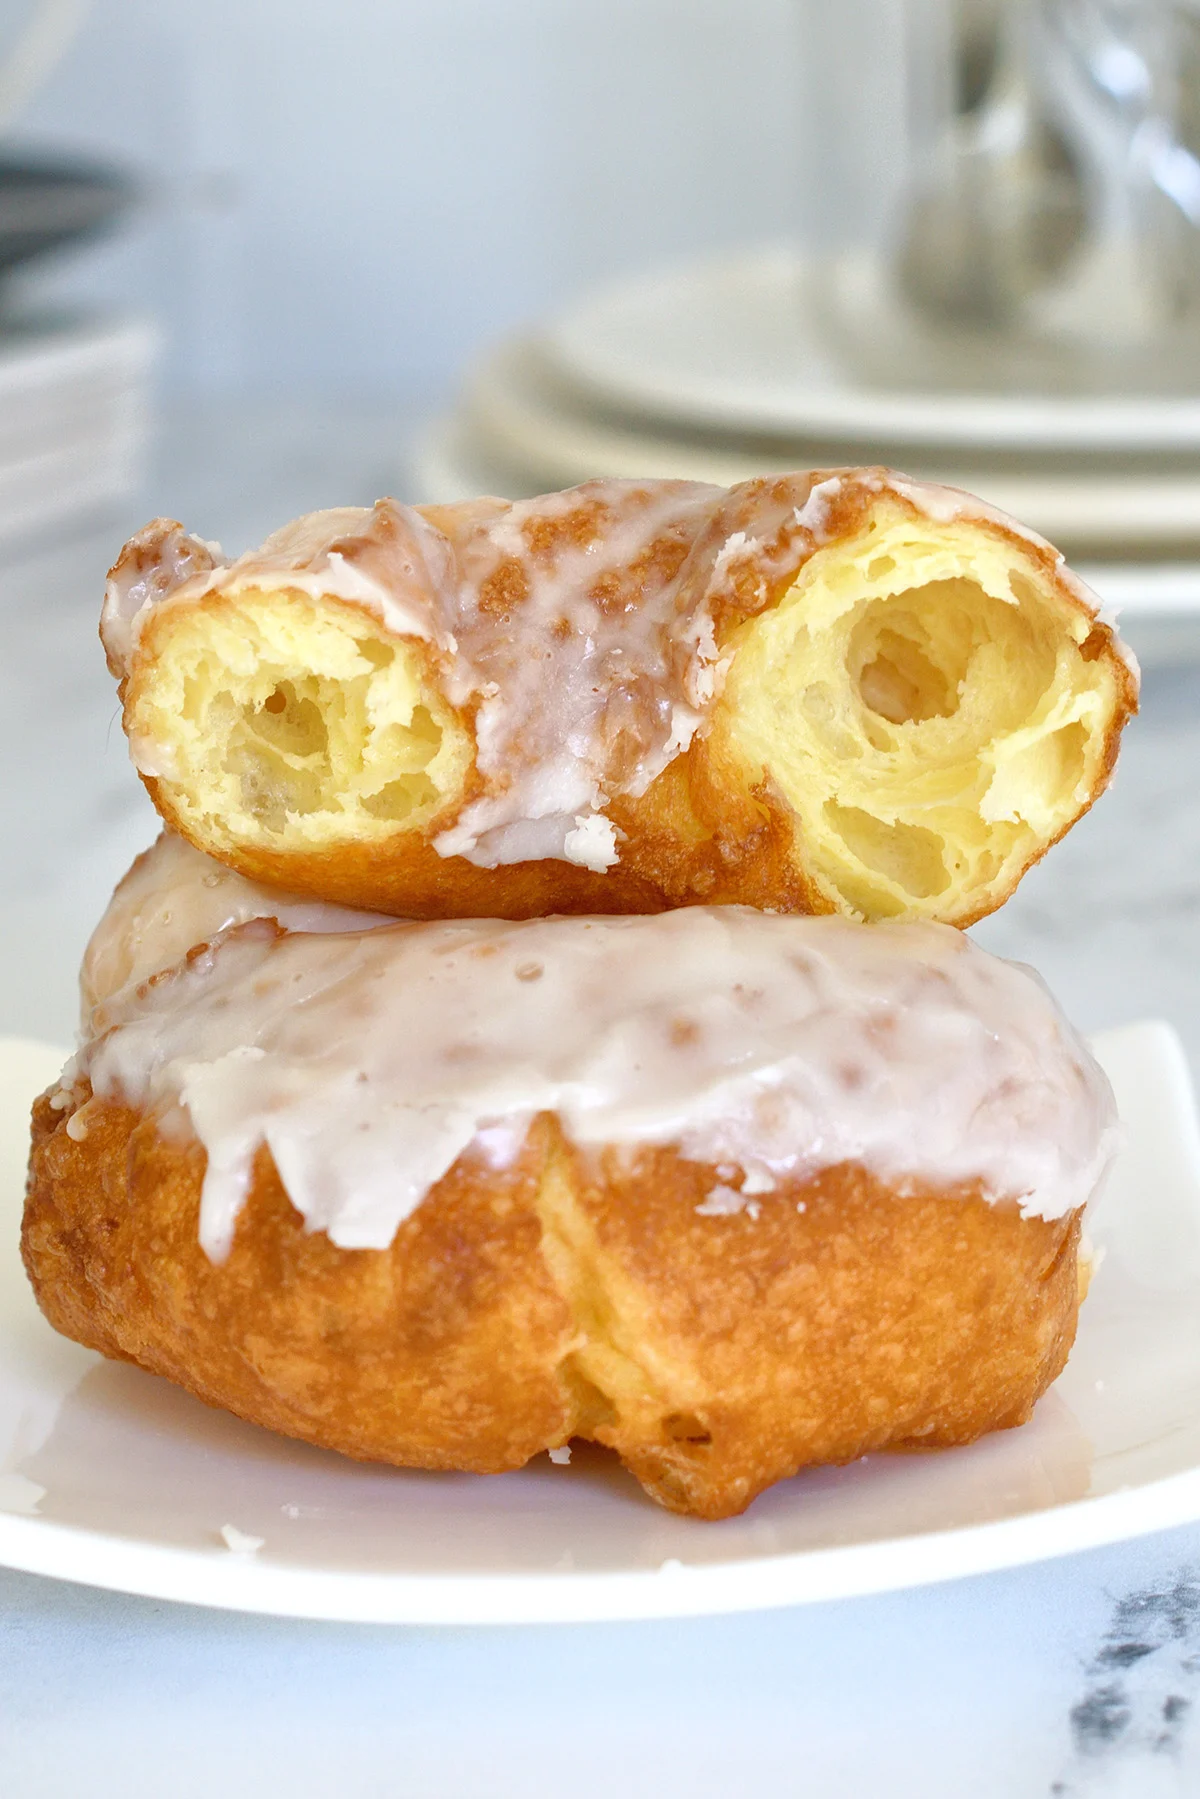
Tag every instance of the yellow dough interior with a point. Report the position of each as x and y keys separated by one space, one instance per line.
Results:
x=305 y=715
x=920 y=699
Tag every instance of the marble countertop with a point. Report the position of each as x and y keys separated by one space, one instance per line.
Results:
x=1076 y=1678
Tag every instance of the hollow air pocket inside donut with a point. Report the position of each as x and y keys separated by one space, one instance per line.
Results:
x=276 y=714
x=922 y=706
x=932 y=713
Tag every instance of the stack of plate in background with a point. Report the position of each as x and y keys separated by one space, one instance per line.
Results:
x=721 y=370
x=74 y=417
x=74 y=390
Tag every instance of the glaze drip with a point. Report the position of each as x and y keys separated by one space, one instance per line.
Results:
x=768 y=1047
x=175 y=897
x=580 y=632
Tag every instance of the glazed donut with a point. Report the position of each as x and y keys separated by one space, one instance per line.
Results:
x=174 y=898
x=731 y=1193
x=830 y=692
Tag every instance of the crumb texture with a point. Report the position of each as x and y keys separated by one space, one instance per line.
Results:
x=924 y=706
x=280 y=716
x=847 y=692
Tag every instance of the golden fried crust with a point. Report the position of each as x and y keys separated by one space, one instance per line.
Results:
x=714 y=827
x=689 y=842
x=871 y=1319
x=441 y=1352
x=563 y=1297
x=405 y=876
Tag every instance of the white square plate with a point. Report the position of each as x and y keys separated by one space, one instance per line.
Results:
x=115 y=1478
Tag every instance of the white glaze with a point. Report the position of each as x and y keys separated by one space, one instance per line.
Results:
x=765 y=1046
x=173 y=898
x=160 y=560
x=385 y=558
x=589 y=691
x=580 y=627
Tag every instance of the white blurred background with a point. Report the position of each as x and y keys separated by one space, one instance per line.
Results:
x=355 y=194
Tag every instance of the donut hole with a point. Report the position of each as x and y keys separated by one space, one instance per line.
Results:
x=1065 y=755
x=922 y=653
x=289 y=721
x=400 y=798
x=594 y=1410
x=908 y=856
x=1040 y=774
x=381 y=655
x=685 y=1427
x=284 y=713
x=903 y=684
x=272 y=792
x=281 y=753
x=921 y=702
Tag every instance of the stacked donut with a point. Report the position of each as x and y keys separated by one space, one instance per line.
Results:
x=548 y=1012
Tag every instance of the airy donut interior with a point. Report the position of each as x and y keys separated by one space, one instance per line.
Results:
x=927 y=705
x=927 y=701
x=304 y=716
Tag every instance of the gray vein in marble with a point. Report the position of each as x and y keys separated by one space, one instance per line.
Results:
x=1139 y=1695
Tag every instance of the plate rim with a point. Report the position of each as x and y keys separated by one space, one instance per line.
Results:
x=842 y=408
x=224 y=1579
x=518 y=423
